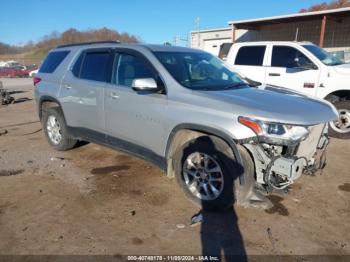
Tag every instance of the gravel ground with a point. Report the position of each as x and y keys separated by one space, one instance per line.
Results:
x=92 y=200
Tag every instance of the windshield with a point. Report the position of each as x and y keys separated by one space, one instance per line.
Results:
x=323 y=55
x=199 y=71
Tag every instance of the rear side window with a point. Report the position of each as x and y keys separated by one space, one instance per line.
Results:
x=52 y=61
x=250 y=55
x=77 y=66
x=96 y=66
x=224 y=49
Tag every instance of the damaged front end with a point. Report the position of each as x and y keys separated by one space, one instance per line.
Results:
x=282 y=153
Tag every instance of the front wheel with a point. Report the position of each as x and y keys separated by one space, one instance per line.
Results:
x=205 y=169
x=341 y=127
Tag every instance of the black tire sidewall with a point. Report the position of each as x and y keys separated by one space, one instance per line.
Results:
x=333 y=133
x=218 y=150
x=66 y=141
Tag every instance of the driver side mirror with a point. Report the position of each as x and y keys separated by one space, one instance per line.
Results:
x=303 y=64
x=144 y=84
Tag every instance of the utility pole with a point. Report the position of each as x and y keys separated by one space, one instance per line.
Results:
x=296 y=34
x=198 y=29
x=178 y=39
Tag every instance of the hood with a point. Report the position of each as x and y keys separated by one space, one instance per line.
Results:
x=274 y=106
x=342 y=69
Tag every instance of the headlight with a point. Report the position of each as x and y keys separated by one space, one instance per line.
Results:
x=275 y=133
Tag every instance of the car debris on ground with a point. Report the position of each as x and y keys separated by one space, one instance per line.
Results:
x=197 y=218
x=5 y=97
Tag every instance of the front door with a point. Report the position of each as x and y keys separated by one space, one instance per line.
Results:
x=134 y=117
x=292 y=69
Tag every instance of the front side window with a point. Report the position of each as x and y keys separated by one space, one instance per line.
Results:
x=323 y=55
x=250 y=55
x=289 y=57
x=129 y=68
x=52 y=61
x=95 y=66
x=199 y=71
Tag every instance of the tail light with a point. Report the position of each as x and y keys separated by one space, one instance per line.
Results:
x=36 y=80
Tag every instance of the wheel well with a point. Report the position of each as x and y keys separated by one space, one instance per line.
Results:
x=179 y=138
x=46 y=104
x=339 y=95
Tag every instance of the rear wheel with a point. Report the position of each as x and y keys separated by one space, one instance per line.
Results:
x=341 y=127
x=55 y=130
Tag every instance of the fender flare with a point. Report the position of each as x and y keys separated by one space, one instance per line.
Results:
x=44 y=99
x=207 y=130
x=340 y=92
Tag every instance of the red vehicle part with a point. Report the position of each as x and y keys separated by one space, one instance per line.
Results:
x=12 y=72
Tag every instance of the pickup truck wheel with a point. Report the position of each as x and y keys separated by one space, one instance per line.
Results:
x=205 y=169
x=55 y=130
x=341 y=127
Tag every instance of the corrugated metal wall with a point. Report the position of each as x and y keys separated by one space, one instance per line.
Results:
x=337 y=33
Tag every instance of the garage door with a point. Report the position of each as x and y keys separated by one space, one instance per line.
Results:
x=213 y=46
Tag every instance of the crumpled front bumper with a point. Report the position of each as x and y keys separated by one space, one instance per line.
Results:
x=313 y=148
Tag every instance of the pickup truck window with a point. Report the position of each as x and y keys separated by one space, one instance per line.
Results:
x=200 y=71
x=289 y=57
x=250 y=55
x=323 y=55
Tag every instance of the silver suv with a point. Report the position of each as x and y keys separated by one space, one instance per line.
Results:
x=224 y=138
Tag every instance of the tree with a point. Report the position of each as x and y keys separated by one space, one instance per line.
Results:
x=326 y=6
x=70 y=36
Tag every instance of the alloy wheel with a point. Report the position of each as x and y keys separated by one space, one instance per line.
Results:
x=203 y=176
x=54 y=129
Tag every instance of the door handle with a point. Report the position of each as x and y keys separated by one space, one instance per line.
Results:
x=67 y=86
x=114 y=95
x=274 y=74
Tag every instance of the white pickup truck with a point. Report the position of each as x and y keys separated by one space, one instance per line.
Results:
x=301 y=66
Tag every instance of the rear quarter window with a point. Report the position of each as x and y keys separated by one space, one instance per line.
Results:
x=250 y=55
x=52 y=61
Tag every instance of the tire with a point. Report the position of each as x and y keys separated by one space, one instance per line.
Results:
x=55 y=129
x=343 y=108
x=217 y=152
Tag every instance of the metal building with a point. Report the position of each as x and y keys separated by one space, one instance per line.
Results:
x=329 y=29
x=211 y=40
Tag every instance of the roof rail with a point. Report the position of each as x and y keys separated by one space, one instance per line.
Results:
x=89 y=43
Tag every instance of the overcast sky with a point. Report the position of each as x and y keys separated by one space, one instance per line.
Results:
x=154 y=21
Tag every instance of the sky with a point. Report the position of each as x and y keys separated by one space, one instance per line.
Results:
x=153 y=21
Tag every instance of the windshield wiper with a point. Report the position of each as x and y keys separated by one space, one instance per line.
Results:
x=339 y=63
x=235 y=86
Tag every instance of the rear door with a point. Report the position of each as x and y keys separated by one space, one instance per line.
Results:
x=249 y=61
x=82 y=91
x=285 y=70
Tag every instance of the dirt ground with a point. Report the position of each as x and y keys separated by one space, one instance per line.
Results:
x=92 y=200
